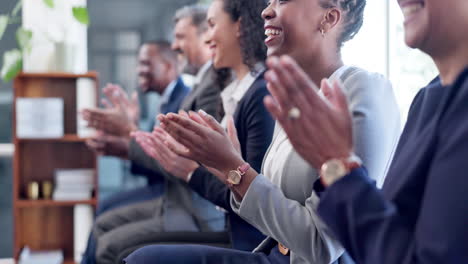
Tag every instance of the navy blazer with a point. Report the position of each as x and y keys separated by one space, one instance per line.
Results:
x=421 y=214
x=172 y=106
x=255 y=130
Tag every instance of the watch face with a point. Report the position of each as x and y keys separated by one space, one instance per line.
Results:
x=334 y=168
x=234 y=177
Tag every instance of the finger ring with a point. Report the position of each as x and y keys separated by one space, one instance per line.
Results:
x=294 y=113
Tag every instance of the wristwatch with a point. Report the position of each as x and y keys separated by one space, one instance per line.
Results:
x=235 y=176
x=335 y=169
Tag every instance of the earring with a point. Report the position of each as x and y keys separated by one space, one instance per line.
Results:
x=322 y=31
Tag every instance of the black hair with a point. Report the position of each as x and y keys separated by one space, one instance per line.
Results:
x=252 y=35
x=353 y=16
x=164 y=49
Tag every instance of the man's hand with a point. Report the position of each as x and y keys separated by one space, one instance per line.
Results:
x=109 y=145
x=110 y=121
x=120 y=116
x=119 y=99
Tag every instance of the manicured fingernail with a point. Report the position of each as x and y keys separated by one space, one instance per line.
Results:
x=201 y=112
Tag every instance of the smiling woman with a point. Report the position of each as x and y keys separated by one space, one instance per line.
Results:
x=425 y=188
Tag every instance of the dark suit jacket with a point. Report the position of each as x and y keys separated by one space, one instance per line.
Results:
x=421 y=214
x=172 y=106
x=255 y=129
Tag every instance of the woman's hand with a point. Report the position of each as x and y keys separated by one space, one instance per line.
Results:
x=155 y=145
x=319 y=129
x=205 y=140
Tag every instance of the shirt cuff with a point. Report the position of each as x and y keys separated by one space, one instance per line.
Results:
x=189 y=176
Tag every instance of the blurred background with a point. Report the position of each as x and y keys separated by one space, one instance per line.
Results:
x=110 y=44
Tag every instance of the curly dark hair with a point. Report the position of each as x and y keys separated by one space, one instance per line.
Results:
x=353 y=16
x=252 y=35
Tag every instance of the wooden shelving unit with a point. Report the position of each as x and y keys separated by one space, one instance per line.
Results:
x=48 y=224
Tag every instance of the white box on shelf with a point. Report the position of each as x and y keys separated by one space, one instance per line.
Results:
x=28 y=256
x=73 y=184
x=39 y=117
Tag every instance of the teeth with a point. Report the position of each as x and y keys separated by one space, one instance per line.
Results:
x=411 y=9
x=272 y=32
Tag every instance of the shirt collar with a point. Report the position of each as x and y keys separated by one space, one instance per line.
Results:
x=237 y=89
x=168 y=91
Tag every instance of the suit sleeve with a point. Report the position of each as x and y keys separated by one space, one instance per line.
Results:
x=210 y=188
x=374 y=230
x=209 y=100
x=259 y=129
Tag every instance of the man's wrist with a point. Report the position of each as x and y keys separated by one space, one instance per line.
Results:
x=190 y=173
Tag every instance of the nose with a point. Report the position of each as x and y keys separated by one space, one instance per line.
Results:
x=268 y=13
x=175 y=45
x=207 y=37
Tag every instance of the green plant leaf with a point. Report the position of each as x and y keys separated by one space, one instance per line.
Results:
x=3 y=24
x=17 y=8
x=24 y=37
x=81 y=14
x=12 y=64
x=49 y=3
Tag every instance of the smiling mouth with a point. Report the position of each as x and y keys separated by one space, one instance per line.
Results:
x=272 y=33
x=409 y=9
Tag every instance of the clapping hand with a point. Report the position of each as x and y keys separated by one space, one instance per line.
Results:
x=155 y=145
x=109 y=145
x=319 y=128
x=205 y=140
x=120 y=116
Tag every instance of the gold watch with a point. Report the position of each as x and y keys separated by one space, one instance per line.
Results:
x=235 y=176
x=335 y=169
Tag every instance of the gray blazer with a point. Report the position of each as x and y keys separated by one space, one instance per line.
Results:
x=180 y=199
x=205 y=94
x=280 y=202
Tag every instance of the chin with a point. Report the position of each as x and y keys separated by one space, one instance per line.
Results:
x=218 y=64
x=273 y=52
x=415 y=38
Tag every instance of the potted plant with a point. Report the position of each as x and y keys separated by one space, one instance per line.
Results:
x=13 y=59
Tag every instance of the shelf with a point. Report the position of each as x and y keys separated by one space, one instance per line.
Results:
x=51 y=203
x=62 y=75
x=45 y=224
x=65 y=138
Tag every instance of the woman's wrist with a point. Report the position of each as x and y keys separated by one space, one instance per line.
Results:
x=240 y=190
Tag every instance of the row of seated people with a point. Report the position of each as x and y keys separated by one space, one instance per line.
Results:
x=290 y=142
